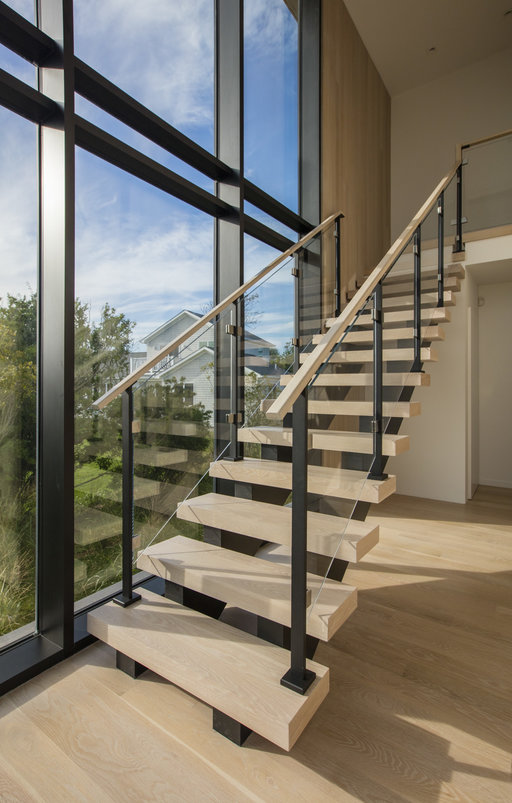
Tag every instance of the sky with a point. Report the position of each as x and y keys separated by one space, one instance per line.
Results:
x=137 y=248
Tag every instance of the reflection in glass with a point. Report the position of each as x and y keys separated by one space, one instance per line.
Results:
x=18 y=373
x=143 y=274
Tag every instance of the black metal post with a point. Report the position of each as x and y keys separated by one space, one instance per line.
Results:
x=297 y=311
x=337 y=263
x=127 y=597
x=298 y=678
x=234 y=417
x=417 y=300
x=440 y=251
x=459 y=245
x=376 y=471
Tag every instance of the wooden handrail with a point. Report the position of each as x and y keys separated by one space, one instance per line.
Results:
x=481 y=141
x=489 y=138
x=130 y=379
x=332 y=337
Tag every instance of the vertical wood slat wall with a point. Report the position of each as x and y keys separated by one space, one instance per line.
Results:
x=356 y=132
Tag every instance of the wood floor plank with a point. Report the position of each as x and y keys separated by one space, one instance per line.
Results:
x=92 y=725
x=420 y=707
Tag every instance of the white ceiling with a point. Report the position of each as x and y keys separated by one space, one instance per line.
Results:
x=399 y=33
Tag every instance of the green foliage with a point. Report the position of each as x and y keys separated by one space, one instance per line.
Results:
x=109 y=461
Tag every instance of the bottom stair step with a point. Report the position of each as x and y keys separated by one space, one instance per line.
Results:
x=232 y=671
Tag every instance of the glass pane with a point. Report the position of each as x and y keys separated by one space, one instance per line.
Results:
x=17 y=66
x=24 y=7
x=173 y=434
x=487 y=184
x=271 y=111
x=126 y=134
x=160 y=53
x=18 y=373
x=143 y=273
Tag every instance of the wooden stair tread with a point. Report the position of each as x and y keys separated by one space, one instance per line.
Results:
x=109 y=486
x=366 y=355
x=406 y=287
x=341 y=483
x=327 y=439
x=264 y=521
x=427 y=300
x=429 y=333
x=455 y=269
x=159 y=456
x=246 y=582
x=228 y=669
x=164 y=426
x=429 y=315
x=226 y=575
x=397 y=409
x=93 y=525
x=413 y=379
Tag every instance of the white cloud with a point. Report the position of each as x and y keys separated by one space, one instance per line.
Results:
x=18 y=206
x=161 y=52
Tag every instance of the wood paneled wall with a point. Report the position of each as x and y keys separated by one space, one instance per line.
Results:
x=356 y=128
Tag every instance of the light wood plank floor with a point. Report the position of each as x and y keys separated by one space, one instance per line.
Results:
x=420 y=707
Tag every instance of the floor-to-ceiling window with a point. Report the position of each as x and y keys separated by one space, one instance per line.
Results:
x=146 y=195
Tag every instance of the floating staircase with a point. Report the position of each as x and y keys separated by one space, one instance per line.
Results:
x=244 y=558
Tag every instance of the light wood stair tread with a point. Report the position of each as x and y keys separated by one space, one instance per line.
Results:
x=455 y=269
x=407 y=301
x=264 y=521
x=93 y=525
x=226 y=575
x=341 y=483
x=165 y=426
x=109 y=486
x=228 y=669
x=159 y=456
x=246 y=582
x=413 y=379
x=327 y=439
x=429 y=333
x=366 y=355
x=397 y=409
x=429 y=315
x=405 y=287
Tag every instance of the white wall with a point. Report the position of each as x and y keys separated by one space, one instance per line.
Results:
x=436 y=464
x=495 y=384
x=429 y=121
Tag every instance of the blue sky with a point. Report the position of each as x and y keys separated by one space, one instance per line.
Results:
x=137 y=248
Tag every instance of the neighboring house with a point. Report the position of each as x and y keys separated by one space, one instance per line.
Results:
x=193 y=360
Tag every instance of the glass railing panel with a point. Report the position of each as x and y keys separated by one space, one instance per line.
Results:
x=400 y=376
x=450 y=218
x=487 y=184
x=267 y=341
x=271 y=325
x=340 y=411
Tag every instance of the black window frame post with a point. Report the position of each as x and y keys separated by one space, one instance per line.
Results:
x=55 y=543
x=229 y=229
